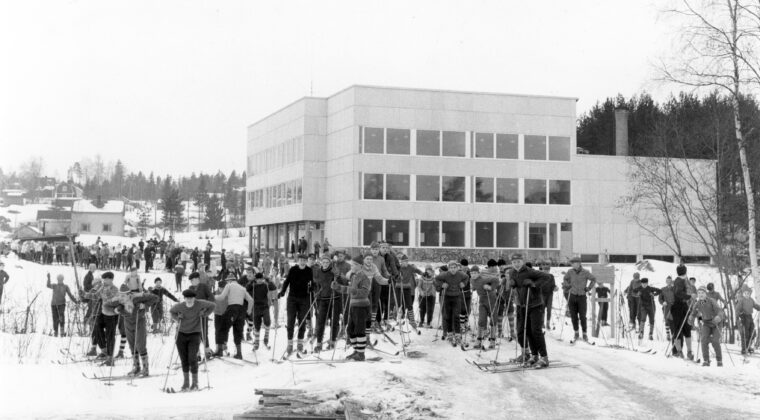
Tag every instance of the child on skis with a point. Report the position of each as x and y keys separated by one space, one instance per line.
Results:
x=426 y=288
x=405 y=289
x=744 y=307
x=189 y=315
x=711 y=317
x=358 y=290
x=260 y=291
x=485 y=285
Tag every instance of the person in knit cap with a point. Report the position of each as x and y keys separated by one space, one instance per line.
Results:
x=299 y=281
x=711 y=318
x=379 y=294
x=485 y=285
x=426 y=292
x=236 y=296
x=188 y=315
x=744 y=307
x=157 y=311
x=363 y=272
x=106 y=320
x=450 y=283
x=407 y=280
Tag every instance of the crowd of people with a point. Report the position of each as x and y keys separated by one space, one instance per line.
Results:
x=372 y=293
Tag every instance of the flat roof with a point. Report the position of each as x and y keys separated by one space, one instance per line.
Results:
x=460 y=92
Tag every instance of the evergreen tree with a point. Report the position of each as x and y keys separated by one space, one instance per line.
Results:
x=214 y=218
x=171 y=207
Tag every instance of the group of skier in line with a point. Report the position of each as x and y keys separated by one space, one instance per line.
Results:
x=363 y=295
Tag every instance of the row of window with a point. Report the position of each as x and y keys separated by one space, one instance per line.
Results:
x=446 y=234
x=85 y=227
x=452 y=189
x=277 y=156
x=284 y=194
x=398 y=141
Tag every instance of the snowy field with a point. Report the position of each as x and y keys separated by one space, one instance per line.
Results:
x=39 y=382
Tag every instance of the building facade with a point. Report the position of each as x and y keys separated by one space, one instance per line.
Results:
x=94 y=218
x=440 y=175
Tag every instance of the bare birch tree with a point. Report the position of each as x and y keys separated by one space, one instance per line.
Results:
x=718 y=42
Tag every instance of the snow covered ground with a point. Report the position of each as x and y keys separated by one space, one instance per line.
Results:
x=607 y=383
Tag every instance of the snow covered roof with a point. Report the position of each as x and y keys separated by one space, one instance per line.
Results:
x=86 y=206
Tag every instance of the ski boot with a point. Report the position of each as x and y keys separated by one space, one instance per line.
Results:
x=135 y=366
x=330 y=345
x=185 y=381
x=93 y=352
x=356 y=356
x=194 y=386
x=443 y=337
x=478 y=344
x=255 y=345
x=690 y=356
x=102 y=356
x=108 y=361
x=706 y=363
x=318 y=348
x=238 y=352
x=531 y=361
x=651 y=338
x=266 y=341
x=576 y=336
x=641 y=335
x=491 y=343
x=523 y=358
x=585 y=337
x=720 y=363
x=289 y=348
x=120 y=354
x=299 y=346
x=541 y=363
x=219 y=351
x=248 y=336
x=144 y=372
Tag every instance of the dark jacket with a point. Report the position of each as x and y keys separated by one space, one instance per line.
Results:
x=202 y=291
x=453 y=280
x=681 y=291
x=646 y=295
x=260 y=293
x=160 y=293
x=527 y=279
x=322 y=280
x=299 y=281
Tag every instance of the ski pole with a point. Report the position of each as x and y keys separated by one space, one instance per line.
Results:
x=440 y=316
x=344 y=315
x=525 y=328
x=678 y=333
x=466 y=309
x=204 y=334
x=400 y=333
x=110 y=356
x=171 y=355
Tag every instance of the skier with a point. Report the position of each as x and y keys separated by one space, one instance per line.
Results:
x=426 y=292
x=485 y=285
x=189 y=315
x=526 y=284
x=680 y=312
x=89 y=278
x=106 y=320
x=328 y=304
x=132 y=280
x=299 y=280
x=581 y=281
x=359 y=304
x=466 y=305
x=666 y=299
x=405 y=285
x=744 y=306
x=376 y=297
x=392 y=267
x=633 y=300
x=548 y=291
x=136 y=328
x=179 y=271
x=58 y=303
x=157 y=310
x=451 y=283
x=646 y=306
x=711 y=317
x=259 y=290
x=236 y=296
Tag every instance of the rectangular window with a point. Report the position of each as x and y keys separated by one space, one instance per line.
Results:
x=537 y=235
x=84 y=227
x=373 y=231
x=428 y=143
x=398 y=141
x=428 y=188
x=453 y=143
x=559 y=192
x=535 y=147
x=484 y=234
x=559 y=148
x=483 y=190
x=374 y=141
x=507 y=235
x=106 y=227
x=452 y=188
x=666 y=258
x=397 y=232
x=506 y=146
x=453 y=234
x=507 y=190
x=429 y=233
x=373 y=186
x=483 y=145
x=535 y=191
x=622 y=259
x=299 y=195
x=590 y=258
x=553 y=236
x=396 y=187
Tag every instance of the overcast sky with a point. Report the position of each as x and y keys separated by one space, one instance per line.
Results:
x=170 y=86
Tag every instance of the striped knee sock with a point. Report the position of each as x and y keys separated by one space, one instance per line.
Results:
x=123 y=343
x=361 y=344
